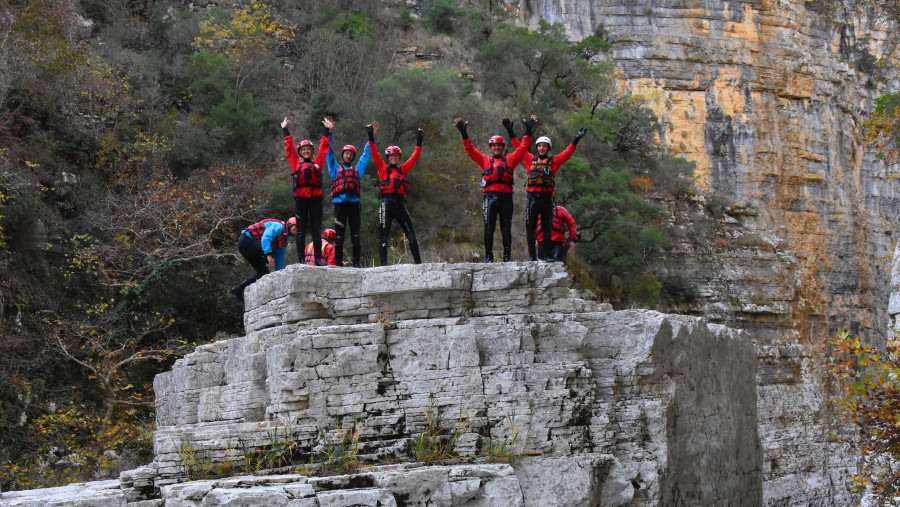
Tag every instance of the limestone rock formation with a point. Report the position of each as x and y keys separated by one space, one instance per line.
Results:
x=605 y=408
x=768 y=100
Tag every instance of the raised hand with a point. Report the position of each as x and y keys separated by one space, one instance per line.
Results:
x=285 y=122
x=328 y=122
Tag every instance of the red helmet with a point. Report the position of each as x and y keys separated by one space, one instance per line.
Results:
x=329 y=234
x=497 y=140
x=392 y=150
x=349 y=147
x=305 y=142
x=289 y=222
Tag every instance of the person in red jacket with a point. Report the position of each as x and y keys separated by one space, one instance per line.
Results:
x=328 y=250
x=392 y=188
x=496 y=182
x=562 y=222
x=307 y=183
x=539 y=187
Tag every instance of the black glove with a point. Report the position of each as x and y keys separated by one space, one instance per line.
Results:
x=371 y=132
x=509 y=127
x=420 y=134
x=529 y=126
x=578 y=136
x=461 y=126
x=285 y=131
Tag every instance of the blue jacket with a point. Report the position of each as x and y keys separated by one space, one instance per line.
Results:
x=333 y=168
x=273 y=230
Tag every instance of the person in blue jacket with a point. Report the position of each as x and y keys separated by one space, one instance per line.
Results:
x=263 y=245
x=345 y=191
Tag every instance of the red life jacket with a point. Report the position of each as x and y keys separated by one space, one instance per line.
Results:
x=499 y=172
x=395 y=183
x=347 y=182
x=256 y=232
x=309 y=174
x=540 y=174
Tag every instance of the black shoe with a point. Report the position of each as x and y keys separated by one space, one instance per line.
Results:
x=238 y=291
x=320 y=262
x=356 y=265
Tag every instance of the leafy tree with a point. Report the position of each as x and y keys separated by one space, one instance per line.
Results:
x=441 y=15
x=414 y=98
x=869 y=383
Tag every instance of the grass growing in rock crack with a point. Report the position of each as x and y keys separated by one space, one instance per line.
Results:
x=436 y=442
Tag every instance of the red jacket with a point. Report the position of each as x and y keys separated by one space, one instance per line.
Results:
x=327 y=254
x=294 y=160
x=561 y=220
x=382 y=166
x=557 y=160
x=484 y=162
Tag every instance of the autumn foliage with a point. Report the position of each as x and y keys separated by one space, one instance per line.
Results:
x=869 y=381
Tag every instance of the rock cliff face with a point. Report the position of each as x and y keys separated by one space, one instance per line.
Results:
x=606 y=408
x=765 y=98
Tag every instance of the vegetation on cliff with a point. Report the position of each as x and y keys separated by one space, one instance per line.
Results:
x=138 y=139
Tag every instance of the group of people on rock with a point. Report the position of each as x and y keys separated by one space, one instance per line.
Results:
x=264 y=243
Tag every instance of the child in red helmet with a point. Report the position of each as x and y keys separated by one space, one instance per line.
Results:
x=496 y=182
x=540 y=186
x=328 y=237
x=307 y=182
x=392 y=189
x=263 y=245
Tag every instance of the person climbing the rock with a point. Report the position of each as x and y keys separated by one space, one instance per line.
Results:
x=559 y=244
x=539 y=187
x=306 y=174
x=345 y=195
x=263 y=245
x=328 y=249
x=496 y=182
x=392 y=189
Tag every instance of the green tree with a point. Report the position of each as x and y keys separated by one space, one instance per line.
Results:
x=415 y=98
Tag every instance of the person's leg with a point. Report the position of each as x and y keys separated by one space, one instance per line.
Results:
x=406 y=223
x=315 y=227
x=489 y=209
x=301 y=214
x=340 y=226
x=531 y=215
x=354 y=217
x=384 y=223
x=556 y=252
x=505 y=210
x=545 y=208
x=252 y=252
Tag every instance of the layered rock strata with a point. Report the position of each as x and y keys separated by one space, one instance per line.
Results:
x=599 y=407
x=661 y=408
x=768 y=99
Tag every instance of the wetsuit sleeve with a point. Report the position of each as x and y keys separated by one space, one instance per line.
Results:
x=411 y=161
x=515 y=142
x=562 y=158
x=272 y=231
x=479 y=158
x=569 y=222
x=515 y=157
x=330 y=161
x=364 y=161
x=379 y=164
x=324 y=148
x=527 y=158
x=291 y=151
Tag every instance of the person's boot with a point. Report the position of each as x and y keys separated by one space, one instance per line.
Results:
x=238 y=290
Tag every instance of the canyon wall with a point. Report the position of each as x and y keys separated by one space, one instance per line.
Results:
x=765 y=97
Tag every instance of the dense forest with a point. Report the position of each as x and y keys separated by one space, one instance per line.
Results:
x=139 y=137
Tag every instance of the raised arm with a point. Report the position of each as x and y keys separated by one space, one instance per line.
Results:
x=517 y=155
x=566 y=154
x=289 y=147
x=417 y=152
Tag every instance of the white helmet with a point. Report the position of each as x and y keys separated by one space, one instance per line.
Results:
x=543 y=139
